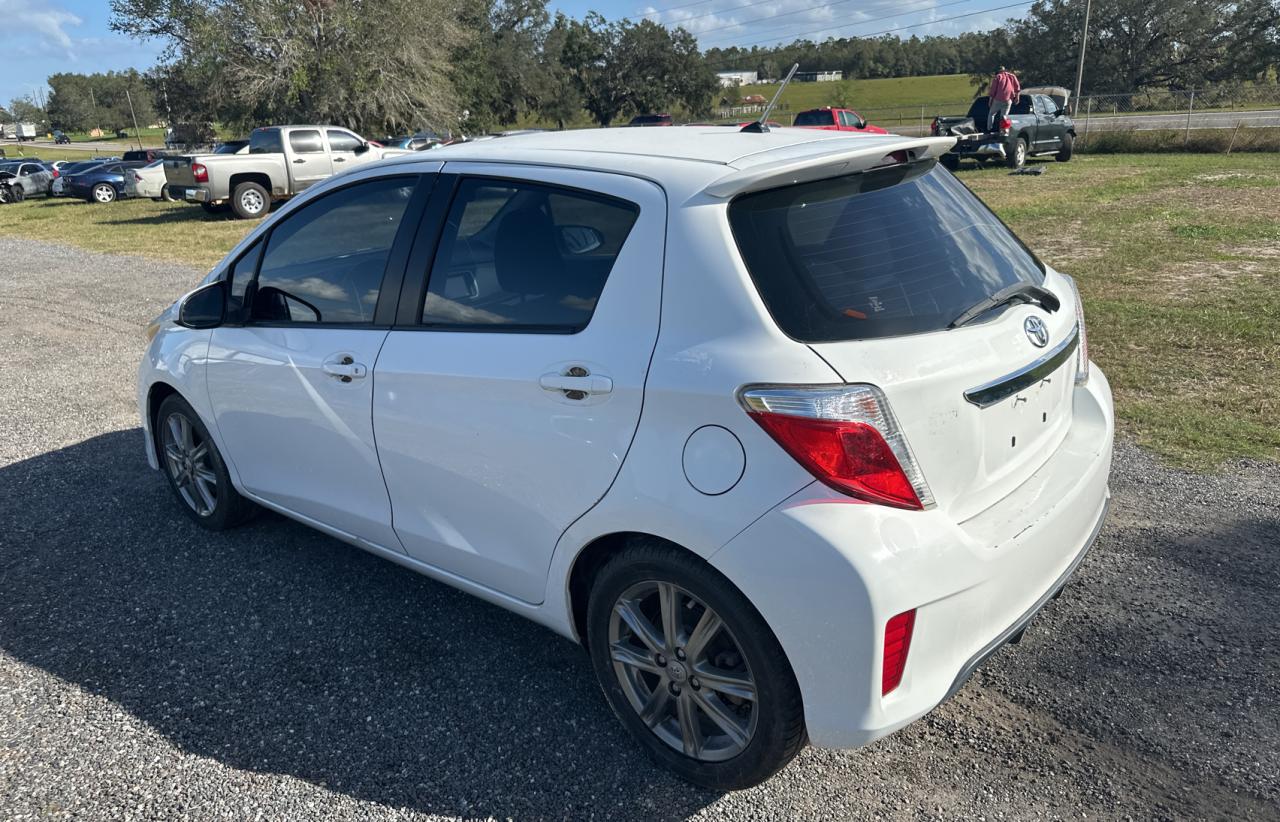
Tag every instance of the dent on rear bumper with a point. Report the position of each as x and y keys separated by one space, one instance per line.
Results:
x=827 y=573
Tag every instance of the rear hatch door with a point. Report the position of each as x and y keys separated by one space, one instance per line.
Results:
x=871 y=270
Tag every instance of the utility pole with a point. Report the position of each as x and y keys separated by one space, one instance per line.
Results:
x=1084 y=38
x=137 y=132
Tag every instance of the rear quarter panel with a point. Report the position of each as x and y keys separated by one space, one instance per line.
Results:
x=715 y=337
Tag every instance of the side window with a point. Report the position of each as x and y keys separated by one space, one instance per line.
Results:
x=848 y=120
x=342 y=140
x=324 y=263
x=305 y=142
x=266 y=141
x=524 y=256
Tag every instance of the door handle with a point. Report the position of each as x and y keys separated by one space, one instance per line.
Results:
x=299 y=160
x=574 y=385
x=345 y=369
x=339 y=159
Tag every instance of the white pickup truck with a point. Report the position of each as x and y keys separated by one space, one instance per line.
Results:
x=281 y=161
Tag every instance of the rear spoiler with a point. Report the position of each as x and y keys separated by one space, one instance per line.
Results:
x=806 y=162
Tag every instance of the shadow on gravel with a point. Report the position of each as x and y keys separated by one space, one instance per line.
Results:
x=276 y=649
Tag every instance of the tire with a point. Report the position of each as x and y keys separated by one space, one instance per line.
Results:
x=215 y=208
x=1068 y=148
x=950 y=162
x=1017 y=153
x=198 y=478
x=103 y=193
x=770 y=728
x=250 y=201
x=18 y=193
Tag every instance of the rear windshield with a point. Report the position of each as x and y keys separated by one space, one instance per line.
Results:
x=901 y=250
x=980 y=108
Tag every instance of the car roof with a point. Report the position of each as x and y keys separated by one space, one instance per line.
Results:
x=680 y=160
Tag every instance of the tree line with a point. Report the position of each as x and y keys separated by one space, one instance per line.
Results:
x=1133 y=45
x=396 y=66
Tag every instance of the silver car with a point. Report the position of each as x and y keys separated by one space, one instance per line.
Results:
x=32 y=177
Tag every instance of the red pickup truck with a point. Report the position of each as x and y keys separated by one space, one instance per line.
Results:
x=835 y=119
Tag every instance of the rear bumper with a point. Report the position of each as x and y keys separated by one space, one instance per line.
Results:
x=192 y=194
x=987 y=148
x=827 y=573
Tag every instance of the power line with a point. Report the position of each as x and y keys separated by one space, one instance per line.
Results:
x=673 y=8
x=800 y=34
x=826 y=5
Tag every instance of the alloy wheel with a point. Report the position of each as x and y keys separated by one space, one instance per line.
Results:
x=190 y=464
x=104 y=193
x=682 y=671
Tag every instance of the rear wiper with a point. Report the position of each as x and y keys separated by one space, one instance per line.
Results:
x=1026 y=292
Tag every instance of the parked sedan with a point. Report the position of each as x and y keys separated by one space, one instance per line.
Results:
x=61 y=186
x=103 y=183
x=32 y=177
x=147 y=181
x=861 y=474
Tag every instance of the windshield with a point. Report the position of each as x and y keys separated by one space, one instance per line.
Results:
x=893 y=251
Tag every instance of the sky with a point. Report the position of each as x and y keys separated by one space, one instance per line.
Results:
x=43 y=37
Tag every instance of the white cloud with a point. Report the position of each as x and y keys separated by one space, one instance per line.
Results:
x=727 y=22
x=36 y=25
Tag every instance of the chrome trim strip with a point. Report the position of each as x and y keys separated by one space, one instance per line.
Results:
x=1001 y=388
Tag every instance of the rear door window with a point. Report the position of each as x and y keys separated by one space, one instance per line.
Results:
x=814 y=118
x=305 y=142
x=266 y=141
x=901 y=250
x=519 y=256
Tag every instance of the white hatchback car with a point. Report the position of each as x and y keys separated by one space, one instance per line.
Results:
x=787 y=428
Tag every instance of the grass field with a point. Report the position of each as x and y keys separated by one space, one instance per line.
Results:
x=1178 y=257
x=899 y=92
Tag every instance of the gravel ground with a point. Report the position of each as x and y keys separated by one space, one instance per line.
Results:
x=150 y=670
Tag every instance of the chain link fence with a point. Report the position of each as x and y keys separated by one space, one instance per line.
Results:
x=1232 y=107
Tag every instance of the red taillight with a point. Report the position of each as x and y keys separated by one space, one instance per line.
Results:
x=897 y=642
x=851 y=457
x=137 y=178
x=933 y=127
x=1005 y=124
x=200 y=173
x=845 y=436
x=56 y=175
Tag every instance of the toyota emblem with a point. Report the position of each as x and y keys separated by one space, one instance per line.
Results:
x=1037 y=331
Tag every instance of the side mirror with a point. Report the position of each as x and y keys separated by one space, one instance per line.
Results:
x=361 y=149
x=580 y=239
x=204 y=307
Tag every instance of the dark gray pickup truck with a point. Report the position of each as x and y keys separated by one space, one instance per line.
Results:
x=1037 y=125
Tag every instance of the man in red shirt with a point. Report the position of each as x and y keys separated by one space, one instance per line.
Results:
x=1004 y=89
